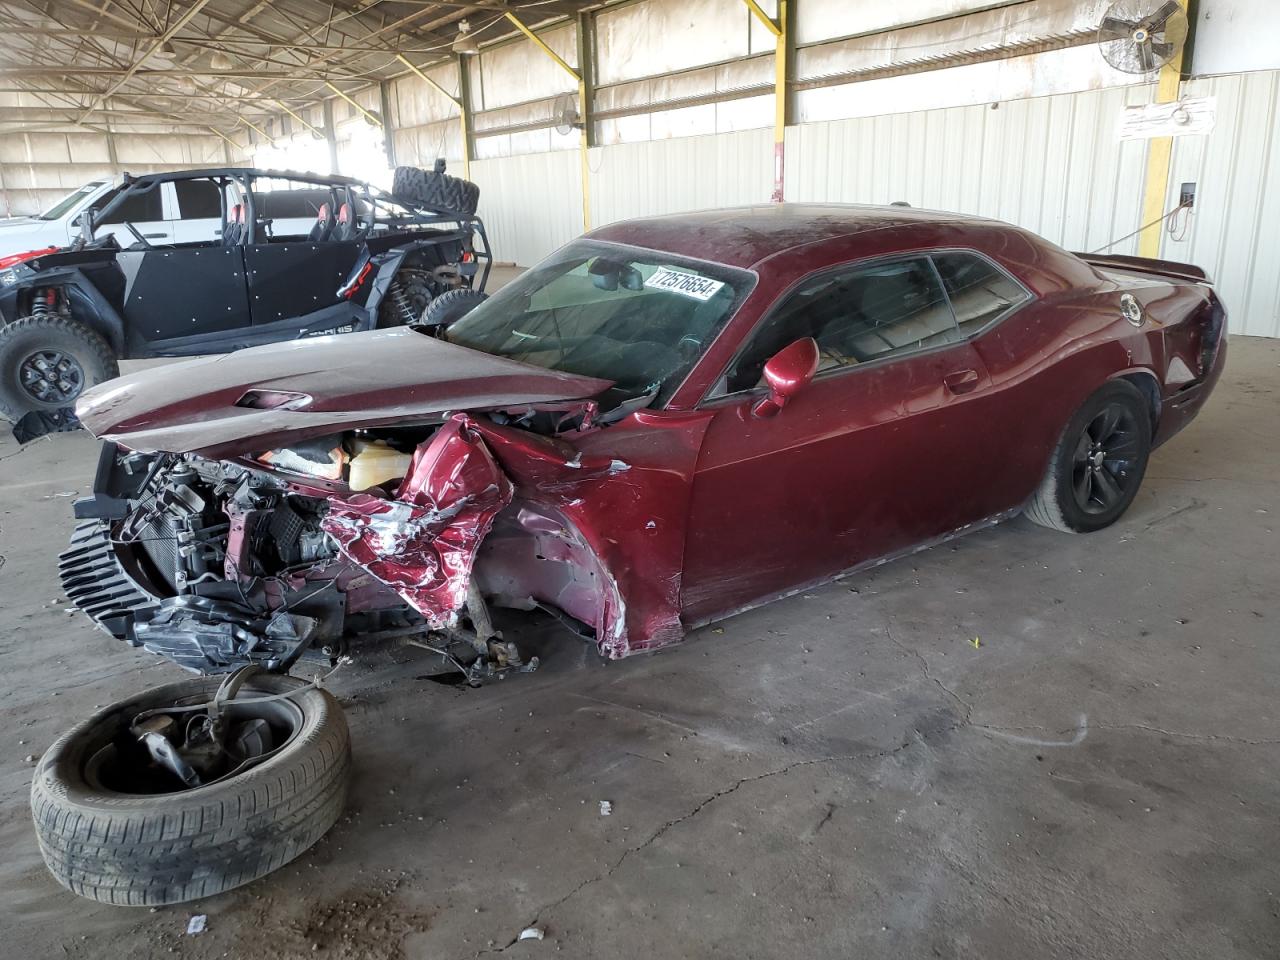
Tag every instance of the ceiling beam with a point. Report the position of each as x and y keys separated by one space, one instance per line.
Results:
x=174 y=27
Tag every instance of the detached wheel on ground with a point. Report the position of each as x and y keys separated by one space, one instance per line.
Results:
x=118 y=822
x=46 y=362
x=450 y=306
x=1098 y=465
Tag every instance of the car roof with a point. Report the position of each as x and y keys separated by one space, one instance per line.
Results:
x=743 y=236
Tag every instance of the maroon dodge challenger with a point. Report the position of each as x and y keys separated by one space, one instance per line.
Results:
x=666 y=422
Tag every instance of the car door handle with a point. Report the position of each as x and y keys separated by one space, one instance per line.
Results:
x=962 y=381
x=154 y=236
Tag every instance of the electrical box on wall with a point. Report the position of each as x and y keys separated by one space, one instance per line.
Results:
x=1187 y=195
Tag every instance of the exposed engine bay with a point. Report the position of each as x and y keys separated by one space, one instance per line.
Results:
x=304 y=551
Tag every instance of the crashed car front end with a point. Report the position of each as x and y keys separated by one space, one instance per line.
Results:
x=307 y=499
x=216 y=564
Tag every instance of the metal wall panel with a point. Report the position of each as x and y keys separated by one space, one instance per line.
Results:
x=663 y=36
x=671 y=176
x=1236 y=35
x=531 y=204
x=1234 y=230
x=38 y=169
x=1052 y=164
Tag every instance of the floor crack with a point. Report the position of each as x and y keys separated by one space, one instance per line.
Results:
x=918 y=738
x=1187 y=736
x=24 y=448
x=964 y=704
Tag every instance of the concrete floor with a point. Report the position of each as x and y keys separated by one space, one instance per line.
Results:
x=845 y=773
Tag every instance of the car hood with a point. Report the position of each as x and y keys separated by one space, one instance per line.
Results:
x=267 y=397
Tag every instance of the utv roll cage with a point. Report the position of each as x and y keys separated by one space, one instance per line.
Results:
x=379 y=208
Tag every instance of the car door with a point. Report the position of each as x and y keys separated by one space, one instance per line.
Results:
x=197 y=216
x=186 y=299
x=880 y=452
x=143 y=210
x=290 y=277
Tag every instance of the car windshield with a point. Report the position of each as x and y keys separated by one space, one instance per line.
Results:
x=637 y=317
x=69 y=202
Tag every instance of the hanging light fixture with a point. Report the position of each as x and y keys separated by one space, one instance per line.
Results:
x=166 y=51
x=220 y=61
x=466 y=43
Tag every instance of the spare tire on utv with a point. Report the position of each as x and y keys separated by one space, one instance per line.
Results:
x=435 y=189
x=47 y=361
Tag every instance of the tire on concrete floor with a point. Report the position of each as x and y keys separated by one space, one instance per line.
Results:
x=1065 y=499
x=450 y=306
x=28 y=338
x=136 y=849
x=438 y=191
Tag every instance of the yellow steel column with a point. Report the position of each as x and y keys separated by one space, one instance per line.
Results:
x=285 y=108
x=456 y=101
x=779 y=31
x=371 y=117
x=582 y=112
x=1159 y=157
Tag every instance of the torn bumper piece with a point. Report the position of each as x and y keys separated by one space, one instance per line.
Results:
x=205 y=636
x=423 y=542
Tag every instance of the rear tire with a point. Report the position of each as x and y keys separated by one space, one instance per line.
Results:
x=32 y=346
x=416 y=286
x=450 y=306
x=1098 y=464
x=437 y=191
x=137 y=849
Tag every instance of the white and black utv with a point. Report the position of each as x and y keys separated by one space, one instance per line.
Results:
x=228 y=258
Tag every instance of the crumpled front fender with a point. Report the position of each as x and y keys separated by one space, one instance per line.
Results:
x=424 y=541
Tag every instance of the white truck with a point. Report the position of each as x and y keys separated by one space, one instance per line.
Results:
x=184 y=211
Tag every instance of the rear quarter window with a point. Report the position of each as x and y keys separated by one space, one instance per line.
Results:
x=980 y=292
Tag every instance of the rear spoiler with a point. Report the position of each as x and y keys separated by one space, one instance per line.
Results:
x=1160 y=268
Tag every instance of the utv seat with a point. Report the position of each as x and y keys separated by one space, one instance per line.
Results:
x=323 y=228
x=233 y=232
x=344 y=229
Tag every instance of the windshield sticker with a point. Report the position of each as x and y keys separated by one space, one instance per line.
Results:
x=685 y=284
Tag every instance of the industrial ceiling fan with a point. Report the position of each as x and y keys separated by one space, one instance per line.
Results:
x=1141 y=36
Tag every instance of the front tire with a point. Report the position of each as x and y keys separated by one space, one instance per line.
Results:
x=46 y=362
x=105 y=837
x=450 y=306
x=1098 y=464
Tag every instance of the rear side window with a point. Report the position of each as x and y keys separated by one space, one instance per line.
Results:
x=979 y=291
x=856 y=314
x=198 y=199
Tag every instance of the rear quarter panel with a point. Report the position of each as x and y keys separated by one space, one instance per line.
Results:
x=1045 y=360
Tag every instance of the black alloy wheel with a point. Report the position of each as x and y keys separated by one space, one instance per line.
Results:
x=1099 y=461
x=51 y=377
x=1102 y=467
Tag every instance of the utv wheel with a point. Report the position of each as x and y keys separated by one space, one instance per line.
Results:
x=117 y=829
x=1099 y=462
x=46 y=362
x=437 y=191
x=450 y=306
x=408 y=296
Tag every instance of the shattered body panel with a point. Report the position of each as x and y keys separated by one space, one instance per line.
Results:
x=424 y=540
x=525 y=489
